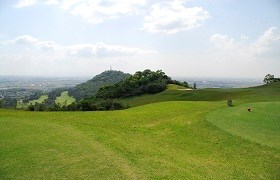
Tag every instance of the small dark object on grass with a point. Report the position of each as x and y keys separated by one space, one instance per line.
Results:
x=229 y=103
x=249 y=109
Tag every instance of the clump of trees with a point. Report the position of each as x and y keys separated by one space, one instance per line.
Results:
x=8 y=102
x=146 y=82
x=269 y=78
x=83 y=105
x=34 y=96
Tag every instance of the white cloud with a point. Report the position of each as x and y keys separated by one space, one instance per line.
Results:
x=167 y=17
x=267 y=44
x=100 y=50
x=100 y=10
x=93 y=11
x=103 y=50
x=29 y=42
x=31 y=56
x=244 y=37
x=173 y=16
x=223 y=41
x=25 y=3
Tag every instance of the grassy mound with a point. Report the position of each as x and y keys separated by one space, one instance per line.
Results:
x=261 y=125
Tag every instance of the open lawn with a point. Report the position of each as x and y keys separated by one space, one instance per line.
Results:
x=180 y=138
x=64 y=98
x=261 y=125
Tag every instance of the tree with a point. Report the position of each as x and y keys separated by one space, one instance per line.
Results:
x=194 y=85
x=269 y=78
x=31 y=107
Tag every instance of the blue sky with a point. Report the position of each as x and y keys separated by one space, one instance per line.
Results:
x=190 y=38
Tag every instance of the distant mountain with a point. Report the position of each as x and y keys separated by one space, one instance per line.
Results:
x=90 y=88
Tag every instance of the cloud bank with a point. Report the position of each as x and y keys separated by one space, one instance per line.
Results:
x=26 y=55
x=99 y=49
x=93 y=11
x=268 y=44
x=164 y=17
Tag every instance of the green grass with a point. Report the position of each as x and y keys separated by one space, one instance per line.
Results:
x=21 y=105
x=268 y=92
x=64 y=98
x=261 y=125
x=163 y=140
x=40 y=100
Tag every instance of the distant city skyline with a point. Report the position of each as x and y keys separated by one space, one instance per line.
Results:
x=184 y=38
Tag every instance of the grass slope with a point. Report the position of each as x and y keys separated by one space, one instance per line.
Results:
x=262 y=125
x=64 y=98
x=269 y=92
x=165 y=140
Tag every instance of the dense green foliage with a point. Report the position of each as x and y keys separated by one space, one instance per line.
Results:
x=32 y=97
x=269 y=78
x=98 y=105
x=90 y=88
x=166 y=140
x=8 y=102
x=146 y=82
x=82 y=105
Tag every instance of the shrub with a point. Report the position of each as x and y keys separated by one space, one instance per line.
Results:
x=229 y=103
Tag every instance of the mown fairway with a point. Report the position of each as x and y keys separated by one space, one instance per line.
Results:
x=261 y=125
x=64 y=98
x=173 y=139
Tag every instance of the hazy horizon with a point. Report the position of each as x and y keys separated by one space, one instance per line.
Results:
x=91 y=76
x=231 y=39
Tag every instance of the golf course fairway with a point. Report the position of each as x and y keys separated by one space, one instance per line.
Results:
x=158 y=140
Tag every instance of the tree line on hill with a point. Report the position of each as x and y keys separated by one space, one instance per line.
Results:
x=83 y=105
x=146 y=82
x=108 y=95
x=106 y=98
x=269 y=78
x=8 y=102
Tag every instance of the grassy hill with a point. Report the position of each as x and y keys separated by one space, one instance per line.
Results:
x=268 y=92
x=90 y=88
x=179 y=134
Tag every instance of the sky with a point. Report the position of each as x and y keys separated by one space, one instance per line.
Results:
x=184 y=38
